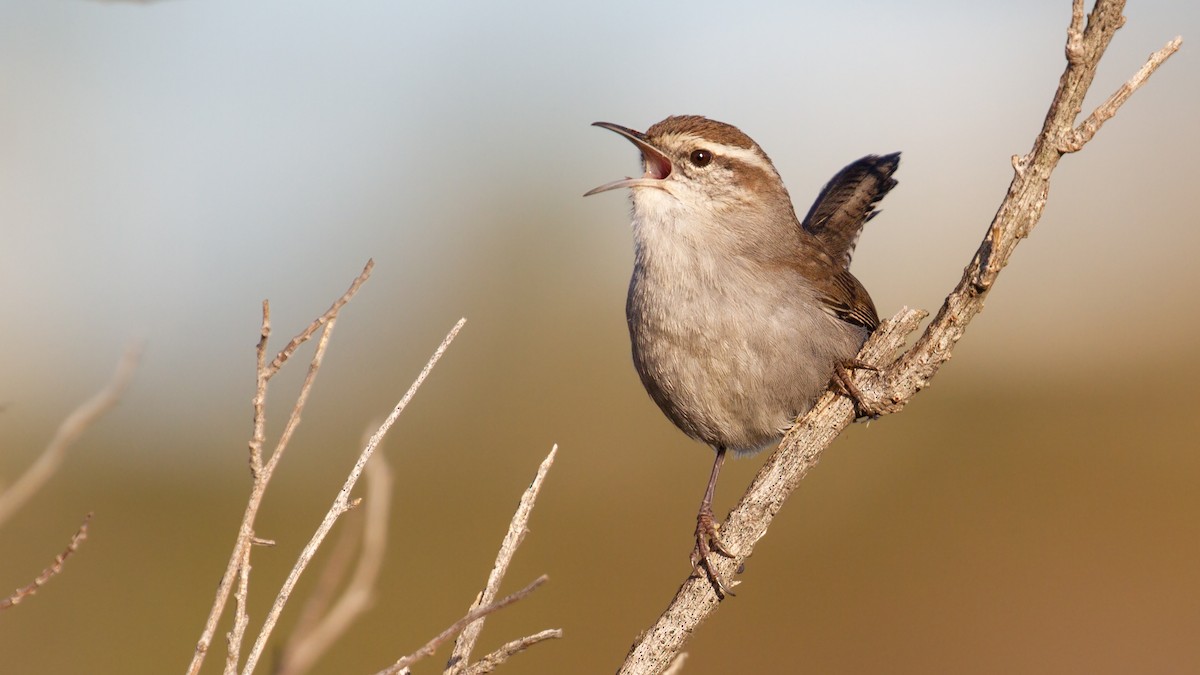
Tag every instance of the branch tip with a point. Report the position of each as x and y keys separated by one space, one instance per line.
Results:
x=53 y=570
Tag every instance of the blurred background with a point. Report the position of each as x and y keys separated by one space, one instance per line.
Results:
x=165 y=167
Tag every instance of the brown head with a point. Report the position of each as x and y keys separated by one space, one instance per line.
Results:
x=709 y=165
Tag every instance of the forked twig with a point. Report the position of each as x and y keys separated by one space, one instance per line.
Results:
x=509 y=649
x=261 y=473
x=518 y=527
x=341 y=504
x=475 y=614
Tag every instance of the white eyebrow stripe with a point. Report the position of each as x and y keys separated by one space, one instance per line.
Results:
x=744 y=155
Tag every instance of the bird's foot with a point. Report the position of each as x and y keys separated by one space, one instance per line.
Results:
x=708 y=541
x=866 y=406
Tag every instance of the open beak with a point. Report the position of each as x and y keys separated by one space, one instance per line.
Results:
x=658 y=166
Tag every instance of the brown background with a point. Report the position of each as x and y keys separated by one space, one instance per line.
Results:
x=166 y=167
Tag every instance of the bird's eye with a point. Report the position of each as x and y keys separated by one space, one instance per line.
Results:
x=701 y=157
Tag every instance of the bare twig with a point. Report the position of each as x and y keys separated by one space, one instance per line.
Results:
x=1105 y=111
x=68 y=432
x=341 y=504
x=261 y=378
x=54 y=568
x=497 y=658
x=517 y=530
x=316 y=606
x=900 y=379
x=237 y=635
x=477 y=613
x=329 y=315
x=260 y=473
x=317 y=629
x=344 y=552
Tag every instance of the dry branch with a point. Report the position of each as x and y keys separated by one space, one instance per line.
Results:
x=474 y=615
x=471 y=624
x=54 y=568
x=518 y=527
x=239 y=558
x=341 y=503
x=241 y=621
x=499 y=657
x=12 y=498
x=320 y=625
x=901 y=378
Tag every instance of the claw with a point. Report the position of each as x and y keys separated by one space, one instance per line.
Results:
x=708 y=540
x=842 y=376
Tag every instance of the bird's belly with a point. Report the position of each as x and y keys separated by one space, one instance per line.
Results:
x=733 y=372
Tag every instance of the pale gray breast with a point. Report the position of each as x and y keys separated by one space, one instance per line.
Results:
x=732 y=356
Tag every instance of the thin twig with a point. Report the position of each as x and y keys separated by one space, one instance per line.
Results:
x=477 y=613
x=518 y=527
x=54 y=568
x=1105 y=111
x=259 y=435
x=329 y=314
x=241 y=619
x=260 y=473
x=341 y=504
x=293 y=421
x=319 y=629
x=268 y=470
x=17 y=494
x=344 y=552
x=497 y=658
x=900 y=379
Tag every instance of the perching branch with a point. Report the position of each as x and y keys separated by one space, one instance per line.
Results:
x=899 y=379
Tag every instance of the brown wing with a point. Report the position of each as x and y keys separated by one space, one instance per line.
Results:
x=846 y=298
x=848 y=201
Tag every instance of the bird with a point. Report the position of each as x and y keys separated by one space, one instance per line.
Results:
x=740 y=313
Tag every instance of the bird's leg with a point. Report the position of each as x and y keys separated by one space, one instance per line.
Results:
x=708 y=537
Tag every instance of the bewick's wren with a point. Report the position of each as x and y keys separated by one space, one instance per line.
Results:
x=739 y=312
